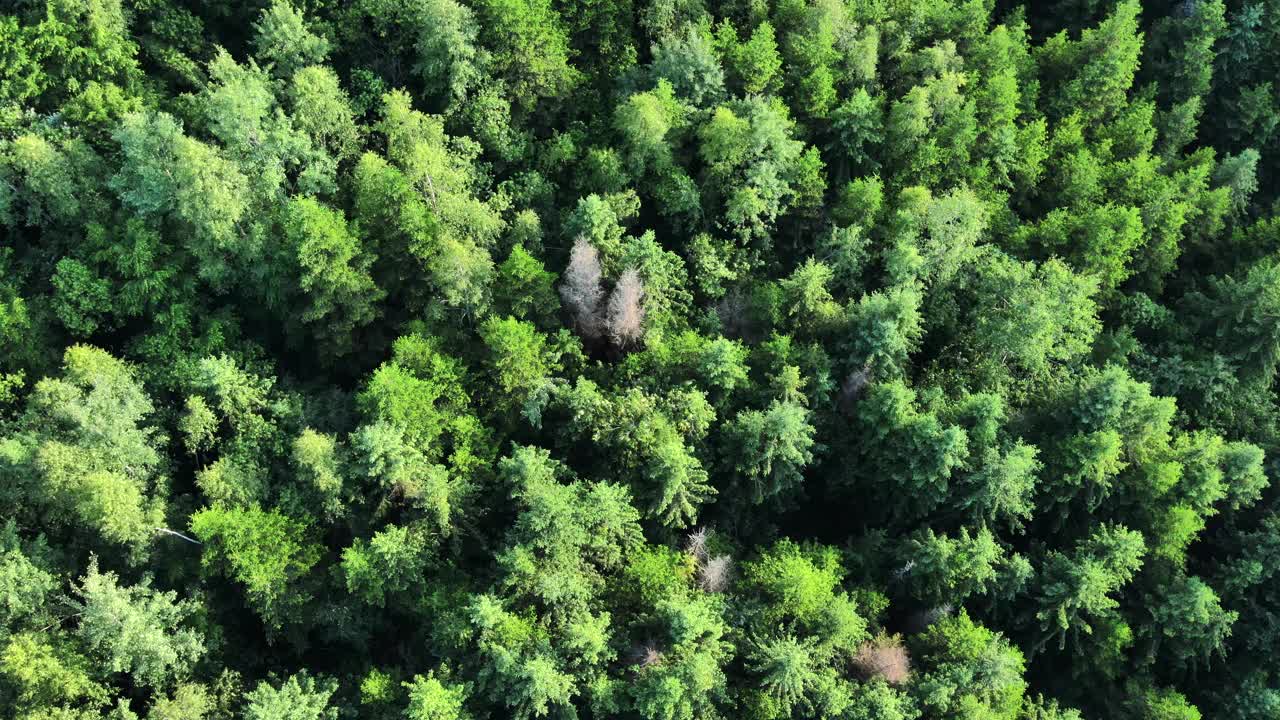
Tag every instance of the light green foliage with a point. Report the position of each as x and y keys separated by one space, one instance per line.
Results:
x=786 y=671
x=282 y=39
x=448 y=59
x=1011 y=150
x=389 y=563
x=47 y=178
x=913 y=451
x=639 y=359
x=753 y=165
x=525 y=679
x=858 y=123
x=1077 y=589
x=664 y=298
x=240 y=396
x=1242 y=471
x=1098 y=241
x=1093 y=74
x=86 y=453
x=565 y=535
x=521 y=359
x=798 y=589
x=1193 y=621
x=319 y=474
x=242 y=402
x=771 y=447
x=722 y=364
x=443 y=170
x=880 y=701
x=598 y=220
x=645 y=121
x=136 y=630
x=77 y=44
x=188 y=702
x=421 y=392
x=1238 y=173
x=524 y=287
x=301 y=697
x=241 y=109
x=166 y=174
x=1002 y=489
x=44 y=674
x=930 y=131
x=649 y=437
x=266 y=552
x=399 y=470
x=884 y=328
x=1036 y=317
x=333 y=273
x=967 y=670
x=321 y=109
x=564 y=540
x=683 y=484
x=530 y=48
x=943 y=569
x=807 y=301
x=1166 y=704
x=688 y=63
x=1041 y=709
x=25 y=585
x=1121 y=427
x=690 y=678
x=21 y=77
x=654 y=574
x=755 y=61
x=952 y=225
x=433 y=699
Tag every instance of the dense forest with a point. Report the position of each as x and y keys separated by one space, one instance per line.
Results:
x=639 y=359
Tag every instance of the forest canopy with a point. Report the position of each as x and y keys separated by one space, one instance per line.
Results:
x=639 y=359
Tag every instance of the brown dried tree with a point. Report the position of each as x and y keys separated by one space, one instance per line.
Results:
x=884 y=657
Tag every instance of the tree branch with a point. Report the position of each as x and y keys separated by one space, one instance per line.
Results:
x=175 y=533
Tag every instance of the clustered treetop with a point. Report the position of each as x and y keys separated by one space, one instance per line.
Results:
x=639 y=359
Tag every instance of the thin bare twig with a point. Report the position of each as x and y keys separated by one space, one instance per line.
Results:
x=175 y=533
x=59 y=621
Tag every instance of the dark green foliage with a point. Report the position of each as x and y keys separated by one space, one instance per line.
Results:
x=639 y=359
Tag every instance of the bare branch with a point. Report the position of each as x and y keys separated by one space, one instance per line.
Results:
x=695 y=543
x=647 y=655
x=581 y=288
x=175 y=533
x=852 y=388
x=716 y=574
x=626 y=313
